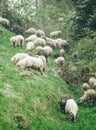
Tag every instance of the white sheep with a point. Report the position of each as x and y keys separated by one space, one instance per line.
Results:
x=4 y=21
x=59 y=61
x=31 y=62
x=91 y=81
x=38 y=48
x=43 y=59
x=85 y=86
x=63 y=100
x=18 y=56
x=61 y=42
x=94 y=85
x=31 y=38
x=30 y=46
x=14 y=41
x=52 y=42
x=55 y=33
x=40 y=41
x=43 y=52
x=71 y=108
x=17 y=40
x=49 y=49
x=62 y=52
x=89 y=97
x=20 y=40
x=31 y=31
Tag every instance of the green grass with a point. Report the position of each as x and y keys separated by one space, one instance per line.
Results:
x=36 y=97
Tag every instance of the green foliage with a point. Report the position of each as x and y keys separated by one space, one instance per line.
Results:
x=84 y=17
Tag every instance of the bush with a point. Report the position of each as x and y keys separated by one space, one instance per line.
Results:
x=84 y=17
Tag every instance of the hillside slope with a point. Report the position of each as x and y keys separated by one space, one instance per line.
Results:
x=30 y=102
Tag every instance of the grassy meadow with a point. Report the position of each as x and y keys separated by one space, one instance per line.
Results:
x=29 y=101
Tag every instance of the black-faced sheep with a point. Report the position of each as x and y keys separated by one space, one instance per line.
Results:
x=63 y=101
x=31 y=62
x=71 y=108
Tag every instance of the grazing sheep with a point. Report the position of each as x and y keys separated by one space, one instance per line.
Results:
x=40 y=41
x=89 y=97
x=4 y=21
x=18 y=56
x=91 y=81
x=43 y=52
x=62 y=52
x=31 y=62
x=13 y=41
x=31 y=38
x=43 y=59
x=55 y=33
x=49 y=49
x=71 y=108
x=59 y=61
x=94 y=85
x=20 y=40
x=85 y=86
x=63 y=101
x=17 y=40
x=38 y=48
x=51 y=42
x=30 y=46
x=31 y=31
x=40 y=33
x=46 y=48
x=61 y=42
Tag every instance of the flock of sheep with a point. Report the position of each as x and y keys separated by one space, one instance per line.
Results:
x=44 y=48
x=68 y=104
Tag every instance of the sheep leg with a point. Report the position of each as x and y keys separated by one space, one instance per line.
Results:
x=21 y=43
x=14 y=44
x=41 y=71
